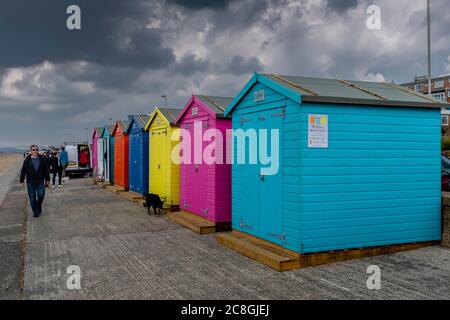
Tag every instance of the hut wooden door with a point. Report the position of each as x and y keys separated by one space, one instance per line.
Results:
x=263 y=213
x=197 y=201
x=135 y=162
x=119 y=160
x=100 y=158
x=106 y=158
x=200 y=171
x=159 y=156
x=249 y=222
x=271 y=184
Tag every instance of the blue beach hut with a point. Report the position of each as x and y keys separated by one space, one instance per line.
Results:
x=138 y=145
x=358 y=163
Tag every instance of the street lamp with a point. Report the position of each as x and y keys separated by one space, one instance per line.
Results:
x=165 y=100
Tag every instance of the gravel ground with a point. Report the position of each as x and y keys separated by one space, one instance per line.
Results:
x=123 y=253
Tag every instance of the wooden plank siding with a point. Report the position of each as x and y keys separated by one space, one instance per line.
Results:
x=173 y=174
x=207 y=193
x=171 y=181
x=378 y=182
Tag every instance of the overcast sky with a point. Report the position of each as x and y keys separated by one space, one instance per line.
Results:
x=54 y=83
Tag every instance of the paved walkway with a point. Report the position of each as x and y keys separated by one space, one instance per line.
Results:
x=6 y=178
x=125 y=254
x=12 y=232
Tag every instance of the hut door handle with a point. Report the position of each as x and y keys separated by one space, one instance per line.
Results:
x=159 y=166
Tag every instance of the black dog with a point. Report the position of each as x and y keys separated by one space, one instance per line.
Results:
x=153 y=201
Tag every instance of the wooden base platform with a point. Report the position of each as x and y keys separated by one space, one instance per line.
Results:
x=171 y=208
x=166 y=209
x=281 y=259
x=196 y=223
x=132 y=196
x=102 y=184
x=115 y=189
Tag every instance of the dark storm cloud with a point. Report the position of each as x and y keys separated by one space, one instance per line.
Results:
x=190 y=64
x=239 y=18
x=104 y=77
x=200 y=4
x=129 y=53
x=341 y=5
x=240 y=65
x=113 y=33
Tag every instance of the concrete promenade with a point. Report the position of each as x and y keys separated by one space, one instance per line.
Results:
x=123 y=253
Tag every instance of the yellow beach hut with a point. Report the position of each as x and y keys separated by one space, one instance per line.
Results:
x=164 y=177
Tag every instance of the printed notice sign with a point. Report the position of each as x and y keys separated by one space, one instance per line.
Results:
x=317 y=131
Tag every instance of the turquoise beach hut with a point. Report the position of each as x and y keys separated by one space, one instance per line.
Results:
x=358 y=163
x=108 y=153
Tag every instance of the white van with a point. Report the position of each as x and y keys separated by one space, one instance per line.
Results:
x=79 y=159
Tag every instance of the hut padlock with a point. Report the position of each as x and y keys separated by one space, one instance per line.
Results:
x=159 y=166
x=196 y=168
x=261 y=176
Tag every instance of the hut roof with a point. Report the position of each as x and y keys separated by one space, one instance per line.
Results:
x=217 y=104
x=318 y=90
x=140 y=120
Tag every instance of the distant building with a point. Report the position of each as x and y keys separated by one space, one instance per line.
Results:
x=440 y=90
x=440 y=86
x=445 y=114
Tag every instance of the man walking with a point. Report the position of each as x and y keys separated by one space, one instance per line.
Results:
x=35 y=170
x=56 y=169
x=63 y=159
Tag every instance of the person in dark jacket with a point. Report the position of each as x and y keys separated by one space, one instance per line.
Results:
x=55 y=168
x=46 y=156
x=36 y=172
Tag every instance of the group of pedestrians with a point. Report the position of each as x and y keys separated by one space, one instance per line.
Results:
x=56 y=165
x=36 y=170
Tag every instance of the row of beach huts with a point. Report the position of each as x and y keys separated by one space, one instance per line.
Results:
x=358 y=168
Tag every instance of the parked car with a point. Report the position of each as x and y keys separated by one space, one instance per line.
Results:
x=79 y=160
x=445 y=173
x=445 y=180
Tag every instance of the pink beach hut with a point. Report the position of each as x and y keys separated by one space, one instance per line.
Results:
x=205 y=187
